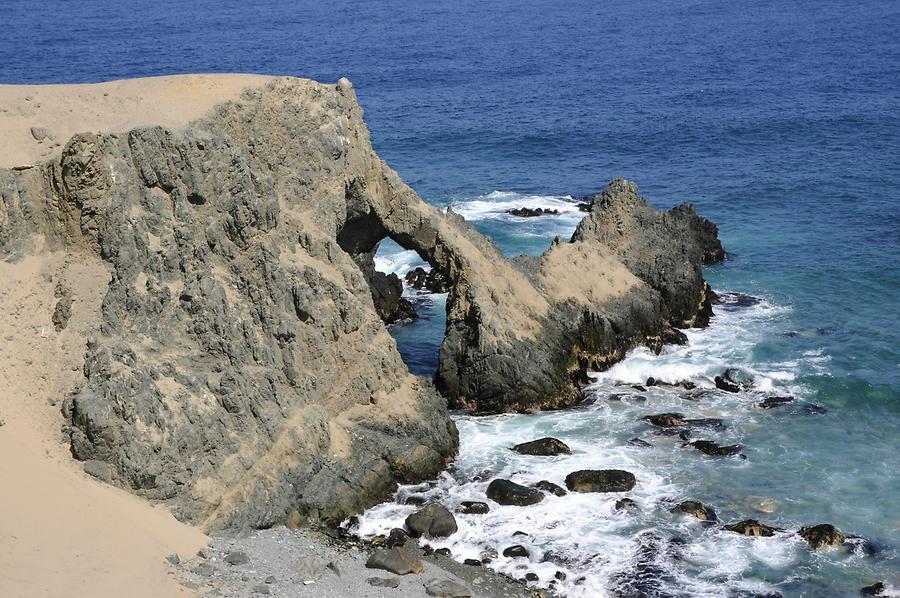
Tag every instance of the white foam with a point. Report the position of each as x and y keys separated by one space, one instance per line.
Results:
x=398 y=262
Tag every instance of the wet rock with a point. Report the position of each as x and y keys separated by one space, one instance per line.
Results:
x=772 y=402
x=544 y=447
x=625 y=504
x=433 y=521
x=639 y=387
x=651 y=381
x=733 y=301
x=697 y=509
x=857 y=544
x=560 y=575
x=708 y=447
x=532 y=212
x=444 y=552
x=397 y=560
x=383 y=582
x=237 y=557
x=532 y=577
x=734 y=380
x=446 y=588
x=876 y=589
x=474 y=507
x=600 y=480
x=665 y=420
x=516 y=551
x=506 y=492
x=426 y=280
x=396 y=537
x=822 y=536
x=814 y=409
x=473 y=562
x=640 y=443
x=550 y=488
x=751 y=527
x=416 y=500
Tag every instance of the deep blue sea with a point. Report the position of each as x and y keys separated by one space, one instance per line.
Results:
x=779 y=120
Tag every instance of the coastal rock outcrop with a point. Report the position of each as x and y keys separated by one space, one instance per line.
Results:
x=241 y=369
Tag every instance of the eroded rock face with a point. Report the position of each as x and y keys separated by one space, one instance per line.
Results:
x=241 y=371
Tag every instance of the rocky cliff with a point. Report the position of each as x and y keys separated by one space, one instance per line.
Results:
x=240 y=369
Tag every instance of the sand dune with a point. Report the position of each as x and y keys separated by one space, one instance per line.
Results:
x=59 y=111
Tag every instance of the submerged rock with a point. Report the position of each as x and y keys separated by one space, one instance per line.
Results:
x=532 y=212
x=751 y=527
x=600 y=480
x=734 y=380
x=876 y=589
x=550 y=488
x=474 y=507
x=639 y=443
x=506 y=492
x=708 y=447
x=676 y=420
x=625 y=504
x=697 y=509
x=822 y=536
x=543 y=447
x=434 y=521
x=397 y=560
x=772 y=402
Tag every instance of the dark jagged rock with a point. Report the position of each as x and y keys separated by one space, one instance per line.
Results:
x=667 y=420
x=386 y=290
x=472 y=562
x=876 y=589
x=647 y=572
x=505 y=492
x=772 y=402
x=474 y=507
x=396 y=537
x=751 y=527
x=545 y=447
x=532 y=212
x=433 y=521
x=550 y=488
x=516 y=551
x=640 y=443
x=625 y=504
x=822 y=536
x=708 y=447
x=857 y=544
x=600 y=480
x=697 y=509
x=426 y=280
x=734 y=380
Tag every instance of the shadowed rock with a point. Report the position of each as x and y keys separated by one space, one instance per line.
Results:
x=550 y=488
x=532 y=212
x=434 y=521
x=876 y=589
x=820 y=537
x=600 y=480
x=516 y=551
x=697 y=509
x=772 y=402
x=676 y=420
x=474 y=507
x=545 y=447
x=751 y=527
x=734 y=380
x=506 y=492
x=708 y=447
x=426 y=280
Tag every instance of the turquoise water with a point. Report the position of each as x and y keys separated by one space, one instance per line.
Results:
x=780 y=121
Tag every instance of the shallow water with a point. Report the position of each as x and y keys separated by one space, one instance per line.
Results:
x=781 y=121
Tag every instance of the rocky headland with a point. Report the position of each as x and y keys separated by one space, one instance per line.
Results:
x=236 y=361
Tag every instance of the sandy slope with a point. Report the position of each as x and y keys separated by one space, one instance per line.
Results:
x=105 y=107
x=61 y=532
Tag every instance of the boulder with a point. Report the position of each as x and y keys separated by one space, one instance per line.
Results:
x=433 y=521
x=506 y=492
x=516 y=551
x=550 y=488
x=677 y=419
x=772 y=402
x=822 y=536
x=545 y=447
x=734 y=380
x=474 y=507
x=445 y=588
x=697 y=509
x=426 y=280
x=600 y=480
x=397 y=560
x=397 y=537
x=876 y=589
x=751 y=527
x=708 y=447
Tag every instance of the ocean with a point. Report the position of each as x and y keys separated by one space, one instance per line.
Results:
x=780 y=121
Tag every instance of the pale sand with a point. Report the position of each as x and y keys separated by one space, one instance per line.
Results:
x=110 y=107
x=62 y=533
